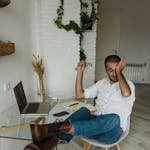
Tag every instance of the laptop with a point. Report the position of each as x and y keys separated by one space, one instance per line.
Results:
x=29 y=109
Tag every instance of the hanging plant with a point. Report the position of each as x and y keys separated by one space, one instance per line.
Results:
x=72 y=24
x=87 y=21
x=82 y=54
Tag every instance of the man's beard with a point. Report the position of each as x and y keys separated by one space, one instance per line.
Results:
x=112 y=80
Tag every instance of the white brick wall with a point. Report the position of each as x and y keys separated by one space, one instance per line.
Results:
x=89 y=45
x=60 y=49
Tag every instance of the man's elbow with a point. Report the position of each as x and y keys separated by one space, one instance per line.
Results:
x=79 y=96
x=126 y=94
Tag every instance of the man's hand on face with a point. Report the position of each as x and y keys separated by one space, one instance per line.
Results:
x=81 y=66
x=121 y=65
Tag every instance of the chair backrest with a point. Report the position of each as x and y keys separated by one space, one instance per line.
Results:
x=99 y=144
x=126 y=132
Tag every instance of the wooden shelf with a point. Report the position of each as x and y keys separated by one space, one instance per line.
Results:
x=4 y=3
x=6 y=48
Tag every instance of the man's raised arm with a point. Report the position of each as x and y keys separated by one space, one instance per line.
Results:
x=124 y=87
x=79 y=80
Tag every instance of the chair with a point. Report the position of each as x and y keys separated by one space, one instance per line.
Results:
x=88 y=143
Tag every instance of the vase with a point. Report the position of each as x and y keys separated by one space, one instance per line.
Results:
x=41 y=89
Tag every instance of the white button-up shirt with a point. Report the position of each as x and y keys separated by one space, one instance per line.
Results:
x=110 y=100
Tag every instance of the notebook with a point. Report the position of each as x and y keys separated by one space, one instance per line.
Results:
x=29 y=109
x=77 y=105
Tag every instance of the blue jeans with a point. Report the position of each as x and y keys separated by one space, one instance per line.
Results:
x=104 y=128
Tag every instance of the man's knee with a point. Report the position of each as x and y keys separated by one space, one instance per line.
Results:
x=83 y=109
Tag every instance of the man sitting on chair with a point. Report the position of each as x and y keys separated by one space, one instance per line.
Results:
x=115 y=98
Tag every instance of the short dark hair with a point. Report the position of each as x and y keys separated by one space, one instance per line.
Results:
x=112 y=58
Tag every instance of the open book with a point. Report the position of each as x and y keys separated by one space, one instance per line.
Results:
x=77 y=105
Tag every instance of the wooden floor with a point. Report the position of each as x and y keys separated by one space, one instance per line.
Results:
x=139 y=136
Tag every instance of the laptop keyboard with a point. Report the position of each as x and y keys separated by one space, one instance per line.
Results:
x=32 y=108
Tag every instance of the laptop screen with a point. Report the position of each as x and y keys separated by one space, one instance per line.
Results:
x=20 y=96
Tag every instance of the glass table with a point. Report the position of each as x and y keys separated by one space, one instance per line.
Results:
x=13 y=126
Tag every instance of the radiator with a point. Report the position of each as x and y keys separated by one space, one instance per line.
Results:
x=135 y=72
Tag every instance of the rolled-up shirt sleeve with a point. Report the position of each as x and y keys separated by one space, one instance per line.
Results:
x=91 y=92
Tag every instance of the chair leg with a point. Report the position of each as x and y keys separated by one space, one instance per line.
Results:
x=99 y=148
x=118 y=147
x=86 y=146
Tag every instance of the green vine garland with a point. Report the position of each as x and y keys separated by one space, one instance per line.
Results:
x=87 y=21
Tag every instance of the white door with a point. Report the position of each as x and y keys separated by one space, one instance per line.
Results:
x=108 y=37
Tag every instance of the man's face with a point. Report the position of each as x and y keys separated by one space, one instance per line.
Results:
x=111 y=71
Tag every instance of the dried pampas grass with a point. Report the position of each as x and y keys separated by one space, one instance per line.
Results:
x=39 y=69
